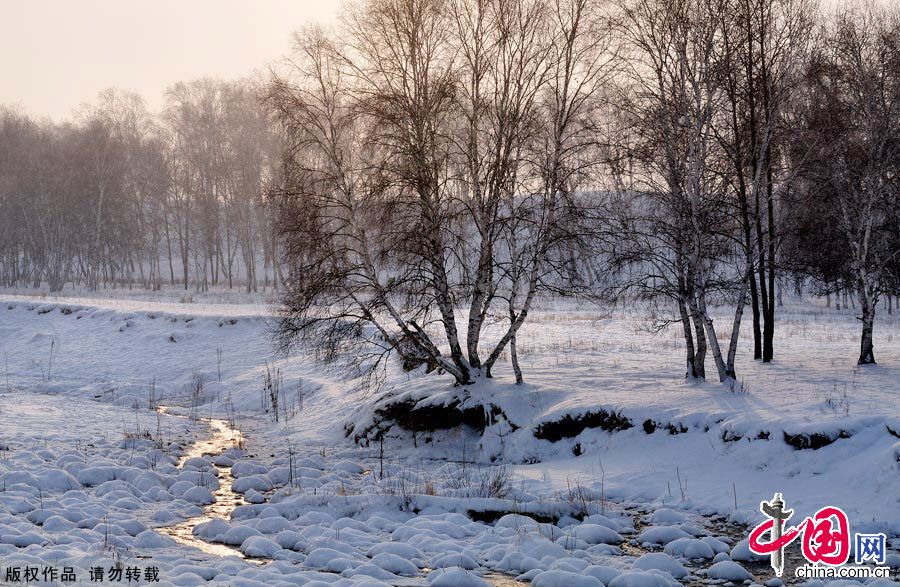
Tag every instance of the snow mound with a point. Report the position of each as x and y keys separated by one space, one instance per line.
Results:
x=661 y=535
x=565 y=579
x=152 y=539
x=397 y=548
x=662 y=562
x=198 y=495
x=603 y=572
x=728 y=570
x=519 y=563
x=664 y=516
x=742 y=552
x=236 y=535
x=395 y=564
x=596 y=534
x=212 y=530
x=455 y=578
x=689 y=548
x=643 y=579
x=458 y=559
x=259 y=546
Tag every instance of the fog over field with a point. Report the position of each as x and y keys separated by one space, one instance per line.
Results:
x=579 y=293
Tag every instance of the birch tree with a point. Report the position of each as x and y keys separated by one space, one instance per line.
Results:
x=435 y=150
x=763 y=48
x=852 y=116
x=675 y=219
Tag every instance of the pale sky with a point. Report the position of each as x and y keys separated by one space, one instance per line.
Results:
x=58 y=54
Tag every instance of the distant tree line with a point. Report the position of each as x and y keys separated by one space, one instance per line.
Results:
x=121 y=197
x=447 y=155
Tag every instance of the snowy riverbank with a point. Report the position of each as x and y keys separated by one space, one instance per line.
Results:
x=88 y=471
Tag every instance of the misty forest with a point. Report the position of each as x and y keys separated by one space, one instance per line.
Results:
x=464 y=292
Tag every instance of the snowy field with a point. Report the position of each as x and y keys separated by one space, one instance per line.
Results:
x=139 y=433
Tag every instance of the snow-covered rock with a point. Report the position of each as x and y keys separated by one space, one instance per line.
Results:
x=661 y=534
x=596 y=534
x=689 y=548
x=517 y=562
x=152 y=539
x=456 y=559
x=664 y=516
x=348 y=467
x=603 y=572
x=259 y=546
x=236 y=535
x=728 y=570
x=212 y=530
x=258 y=483
x=198 y=495
x=395 y=564
x=742 y=552
x=643 y=579
x=722 y=556
x=557 y=578
x=453 y=577
x=662 y=562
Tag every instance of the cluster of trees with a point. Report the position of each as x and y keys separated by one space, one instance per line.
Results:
x=440 y=152
x=436 y=149
x=765 y=142
x=120 y=196
x=845 y=221
x=417 y=174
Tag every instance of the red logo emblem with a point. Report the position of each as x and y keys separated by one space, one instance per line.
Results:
x=825 y=536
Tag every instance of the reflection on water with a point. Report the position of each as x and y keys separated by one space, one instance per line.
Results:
x=223 y=437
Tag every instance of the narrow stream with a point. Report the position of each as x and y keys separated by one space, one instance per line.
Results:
x=223 y=437
x=226 y=499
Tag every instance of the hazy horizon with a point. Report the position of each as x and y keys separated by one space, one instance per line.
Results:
x=60 y=55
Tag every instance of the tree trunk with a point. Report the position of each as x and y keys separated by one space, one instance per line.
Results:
x=867 y=351
x=700 y=337
x=713 y=342
x=769 y=334
x=757 y=326
x=736 y=329
x=514 y=360
x=691 y=370
x=769 y=322
x=480 y=300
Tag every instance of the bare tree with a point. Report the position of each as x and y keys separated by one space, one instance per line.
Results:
x=852 y=117
x=764 y=44
x=676 y=224
x=435 y=153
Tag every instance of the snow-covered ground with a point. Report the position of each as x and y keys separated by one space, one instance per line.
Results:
x=93 y=474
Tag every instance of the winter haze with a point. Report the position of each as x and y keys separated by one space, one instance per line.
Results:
x=58 y=54
x=450 y=293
